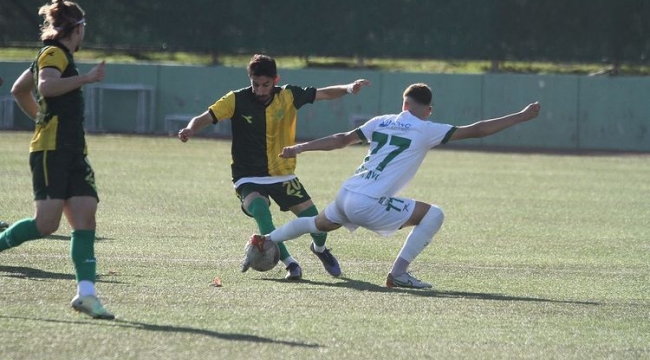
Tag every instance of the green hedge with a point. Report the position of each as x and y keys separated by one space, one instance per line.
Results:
x=572 y=30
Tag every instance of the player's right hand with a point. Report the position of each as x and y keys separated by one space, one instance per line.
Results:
x=185 y=134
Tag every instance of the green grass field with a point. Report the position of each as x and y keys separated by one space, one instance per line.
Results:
x=541 y=257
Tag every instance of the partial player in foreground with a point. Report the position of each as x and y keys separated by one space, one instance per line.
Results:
x=263 y=121
x=3 y=225
x=398 y=145
x=63 y=180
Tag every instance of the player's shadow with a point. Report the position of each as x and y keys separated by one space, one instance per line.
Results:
x=24 y=272
x=345 y=282
x=57 y=237
x=171 y=329
x=210 y=333
x=67 y=237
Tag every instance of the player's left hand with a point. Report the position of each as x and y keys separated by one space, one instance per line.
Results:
x=95 y=74
x=356 y=85
x=532 y=110
x=290 y=151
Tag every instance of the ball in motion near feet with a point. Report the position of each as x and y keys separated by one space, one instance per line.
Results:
x=263 y=255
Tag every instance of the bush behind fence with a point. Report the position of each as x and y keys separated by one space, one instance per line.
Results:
x=613 y=31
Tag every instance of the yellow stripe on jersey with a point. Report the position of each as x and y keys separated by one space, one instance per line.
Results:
x=45 y=136
x=45 y=170
x=53 y=57
x=281 y=118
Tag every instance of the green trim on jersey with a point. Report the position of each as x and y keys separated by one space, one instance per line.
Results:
x=362 y=137
x=60 y=119
x=260 y=132
x=448 y=135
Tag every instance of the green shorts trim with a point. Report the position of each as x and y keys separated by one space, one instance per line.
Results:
x=286 y=194
x=61 y=174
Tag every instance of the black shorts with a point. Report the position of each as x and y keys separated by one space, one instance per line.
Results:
x=61 y=175
x=286 y=194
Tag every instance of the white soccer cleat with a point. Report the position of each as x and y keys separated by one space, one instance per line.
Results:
x=91 y=306
x=406 y=281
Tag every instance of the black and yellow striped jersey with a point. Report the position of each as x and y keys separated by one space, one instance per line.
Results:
x=259 y=131
x=60 y=118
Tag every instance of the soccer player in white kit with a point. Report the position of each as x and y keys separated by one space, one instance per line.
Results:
x=398 y=145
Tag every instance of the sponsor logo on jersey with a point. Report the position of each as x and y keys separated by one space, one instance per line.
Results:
x=279 y=114
x=394 y=124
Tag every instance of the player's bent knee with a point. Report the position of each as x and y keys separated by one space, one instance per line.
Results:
x=46 y=228
x=434 y=217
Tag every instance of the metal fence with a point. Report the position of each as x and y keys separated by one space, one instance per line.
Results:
x=612 y=31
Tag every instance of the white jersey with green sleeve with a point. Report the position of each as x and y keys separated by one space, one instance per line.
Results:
x=398 y=145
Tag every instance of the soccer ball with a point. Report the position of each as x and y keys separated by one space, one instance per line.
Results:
x=263 y=256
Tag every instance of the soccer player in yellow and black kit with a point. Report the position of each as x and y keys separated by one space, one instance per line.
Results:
x=62 y=178
x=263 y=121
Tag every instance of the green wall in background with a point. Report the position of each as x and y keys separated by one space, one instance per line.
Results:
x=614 y=113
x=578 y=112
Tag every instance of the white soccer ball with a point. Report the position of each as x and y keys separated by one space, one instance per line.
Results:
x=263 y=257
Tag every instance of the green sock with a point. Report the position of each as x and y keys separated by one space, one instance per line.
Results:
x=260 y=211
x=82 y=251
x=262 y=215
x=319 y=238
x=19 y=232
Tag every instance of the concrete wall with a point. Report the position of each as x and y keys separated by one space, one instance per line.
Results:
x=578 y=112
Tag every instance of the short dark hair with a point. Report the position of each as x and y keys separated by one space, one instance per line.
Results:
x=262 y=65
x=419 y=92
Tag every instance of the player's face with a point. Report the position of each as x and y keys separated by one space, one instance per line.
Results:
x=262 y=87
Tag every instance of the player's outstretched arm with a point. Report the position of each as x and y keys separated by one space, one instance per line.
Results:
x=336 y=141
x=492 y=126
x=337 y=91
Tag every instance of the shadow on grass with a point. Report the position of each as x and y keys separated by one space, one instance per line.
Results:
x=170 y=328
x=64 y=237
x=67 y=237
x=367 y=286
x=24 y=272
x=210 y=333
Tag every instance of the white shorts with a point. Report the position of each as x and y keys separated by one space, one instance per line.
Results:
x=382 y=215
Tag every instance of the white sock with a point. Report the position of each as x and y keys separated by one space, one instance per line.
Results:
x=418 y=239
x=293 y=229
x=319 y=249
x=85 y=288
x=399 y=266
